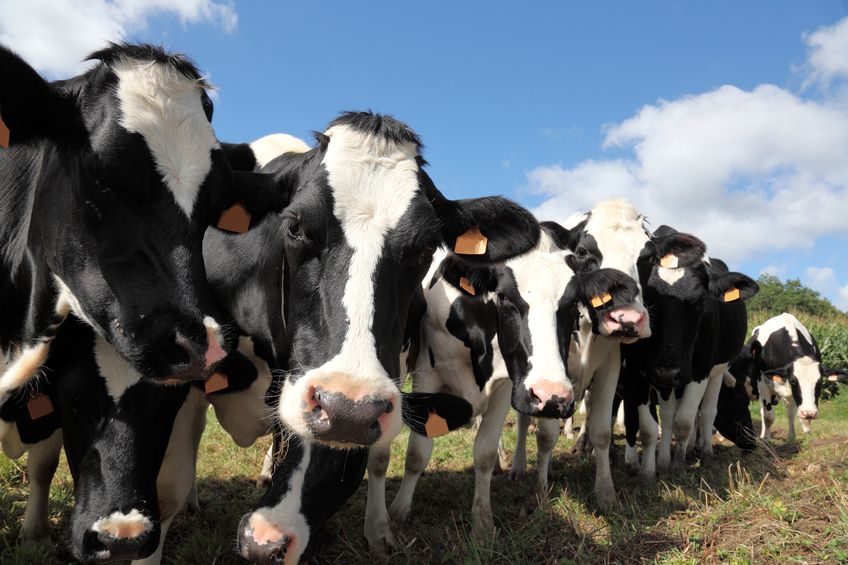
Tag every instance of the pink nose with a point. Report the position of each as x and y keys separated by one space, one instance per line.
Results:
x=808 y=414
x=625 y=321
x=545 y=391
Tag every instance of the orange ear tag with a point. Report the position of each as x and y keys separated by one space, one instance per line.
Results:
x=471 y=242
x=218 y=381
x=670 y=261
x=731 y=295
x=235 y=219
x=436 y=425
x=4 y=134
x=39 y=406
x=832 y=378
x=598 y=301
x=776 y=378
x=466 y=285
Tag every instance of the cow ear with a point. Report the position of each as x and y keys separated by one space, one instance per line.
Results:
x=31 y=110
x=834 y=375
x=254 y=196
x=562 y=237
x=730 y=287
x=470 y=280
x=487 y=230
x=434 y=414
x=781 y=375
x=675 y=249
x=601 y=289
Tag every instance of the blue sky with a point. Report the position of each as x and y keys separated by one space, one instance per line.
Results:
x=723 y=118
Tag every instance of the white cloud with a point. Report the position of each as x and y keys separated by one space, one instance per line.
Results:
x=820 y=278
x=773 y=270
x=746 y=171
x=827 y=56
x=55 y=35
x=842 y=299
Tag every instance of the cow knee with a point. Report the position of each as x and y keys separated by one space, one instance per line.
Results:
x=415 y=462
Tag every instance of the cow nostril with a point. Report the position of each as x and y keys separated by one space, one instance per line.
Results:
x=279 y=552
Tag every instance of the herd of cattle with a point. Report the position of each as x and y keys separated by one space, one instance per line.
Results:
x=149 y=271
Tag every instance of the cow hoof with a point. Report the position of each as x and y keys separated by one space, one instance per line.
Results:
x=706 y=457
x=606 y=499
x=516 y=473
x=381 y=541
x=484 y=526
x=648 y=476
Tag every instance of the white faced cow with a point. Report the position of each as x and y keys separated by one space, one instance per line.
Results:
x=611 y=236
x=530 y=305
x=782 y=360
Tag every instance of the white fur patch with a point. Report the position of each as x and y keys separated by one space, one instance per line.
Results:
x=118 y=374
x=286 y=515
x=792 y=325
x=808 y=373
x=165 y=108
x=373 y=182
x=266 y=149
x=541 y=277
x=135 y=523
x=670 y=276
x=244 y=414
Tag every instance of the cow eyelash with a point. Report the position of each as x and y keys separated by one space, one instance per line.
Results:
x=295 y=230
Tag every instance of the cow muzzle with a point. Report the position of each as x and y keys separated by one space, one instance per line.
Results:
x=342 y=410
x=630 y=323
x=121 y=536
x=550 y=399
x=190 y=359
x=262 y=542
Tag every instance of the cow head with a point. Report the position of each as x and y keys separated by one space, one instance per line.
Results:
x=612 y=236
x=111 y=178
x=536 y=297
x=360 y=231
x=679 y=282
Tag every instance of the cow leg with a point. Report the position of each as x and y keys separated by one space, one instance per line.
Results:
x=766 y=410
x=709 y=409
x=485 y=456
x=791 y=412
x=418 y=452
x=378 y=531
x=684 y=420
x=519 y=459
x=667 y=410
x=547 y=433
x=42 y=460
x=568 y=428
x=600 y=425
x=648 y=431
x=631 y=420
x=267 y=469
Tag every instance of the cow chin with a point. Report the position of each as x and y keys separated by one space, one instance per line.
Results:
x=342 y=410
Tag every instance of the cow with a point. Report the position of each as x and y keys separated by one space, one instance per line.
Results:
x=612 y=235
x=131 y=443
x=109 y=181
x=530 y=305
x=699 y=321
x=782 y=361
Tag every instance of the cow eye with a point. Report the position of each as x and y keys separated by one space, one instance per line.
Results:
x=295 y=230
x=582 y=252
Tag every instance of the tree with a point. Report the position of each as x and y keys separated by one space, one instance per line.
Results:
x=775 y=297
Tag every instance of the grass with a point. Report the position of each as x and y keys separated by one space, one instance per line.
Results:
x=780 y=503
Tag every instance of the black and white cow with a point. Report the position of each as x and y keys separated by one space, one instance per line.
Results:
x=358 y=236
x=698 y=321
x=131 y=443
x=782 y=360
x=108 y=184
x=612 y=235
x=530 y=305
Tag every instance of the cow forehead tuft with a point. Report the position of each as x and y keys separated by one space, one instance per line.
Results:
x=164 y=106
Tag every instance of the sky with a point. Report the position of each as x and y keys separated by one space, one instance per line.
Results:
x=724 y=119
